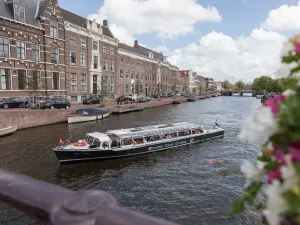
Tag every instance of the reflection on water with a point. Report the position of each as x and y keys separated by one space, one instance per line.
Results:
x=177 y=184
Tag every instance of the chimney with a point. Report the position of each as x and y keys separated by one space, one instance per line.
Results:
x=136 y=43
x=105 y=23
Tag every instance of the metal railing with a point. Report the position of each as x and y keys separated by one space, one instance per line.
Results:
x=53 y=205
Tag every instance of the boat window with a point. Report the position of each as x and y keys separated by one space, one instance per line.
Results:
x=105 y=145
x=97 y=142
x=138 y=140
x=127 y=141
x=89 y=140
x=183 y=132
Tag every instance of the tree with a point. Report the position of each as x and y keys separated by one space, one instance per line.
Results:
x=200 y=87
x=185 y=86
x=33 y=84
x=102 y=90
x=262 y=83
x=194 y=90
x=240 y=85
x=226 y=85
x=138 y=87
x=173 y=88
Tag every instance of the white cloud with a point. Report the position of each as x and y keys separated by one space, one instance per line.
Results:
x=167 y=18
x=284 y=18
x=221 y=57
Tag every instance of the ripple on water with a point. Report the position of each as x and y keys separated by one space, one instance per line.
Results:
x=177 y=184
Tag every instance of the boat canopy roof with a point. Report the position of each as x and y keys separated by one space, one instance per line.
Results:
x=153 y=130
x=89 y=111
x=102 y=137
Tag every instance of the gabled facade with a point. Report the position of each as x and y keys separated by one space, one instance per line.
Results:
x=31 y=46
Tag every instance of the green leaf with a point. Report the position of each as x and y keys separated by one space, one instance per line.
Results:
x=237 y=207
x=290 y=59
x=295 y=70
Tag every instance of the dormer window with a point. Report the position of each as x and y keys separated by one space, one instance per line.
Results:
x=150 y=55
x=165 y=59
x=19 y=12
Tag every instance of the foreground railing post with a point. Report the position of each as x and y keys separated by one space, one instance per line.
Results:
x=54 y=205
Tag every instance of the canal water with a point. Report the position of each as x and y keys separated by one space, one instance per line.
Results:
x=178 y=184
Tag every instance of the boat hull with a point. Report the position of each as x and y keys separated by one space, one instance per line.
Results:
x=86 y=118
x=8 y=130
x=68 y=156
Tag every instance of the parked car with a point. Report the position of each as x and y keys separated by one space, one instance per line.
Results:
x=145 y=99
x=14 y=102
x=92 y=100
x=56 y=103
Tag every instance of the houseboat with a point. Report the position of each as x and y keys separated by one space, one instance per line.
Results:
x=134 y=141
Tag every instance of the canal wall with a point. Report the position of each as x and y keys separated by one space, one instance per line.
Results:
x=26 y=118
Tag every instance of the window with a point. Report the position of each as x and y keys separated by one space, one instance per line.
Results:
x=146 y=76
x=21 y=49
x=73 y=98
x=95 y=62
x=121 y=59
x=53 y=29
x=137 y=62
x=132 y=62
x=55 y=79
x=127 y=60
x=112 y=50
x=127 y=88
x=112 y=66
x=104 y=83
x=19 y=12
x=127 y=74
x=4 y=47
x=54 y=56
x=112 y=83
x=83 y=82
x=22 y=79
x=73 y=40
x=5 y=79
x=137 y=76
x=73 y=58
x=121 y=74
x=73 y=82
x=132 y=75
x=105 y=66
x=83 y=42
x=105 y=50
x=35 y=48
x=83 y=60
x=95 y=45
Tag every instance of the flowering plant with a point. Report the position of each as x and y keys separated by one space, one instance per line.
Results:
x=279 y=159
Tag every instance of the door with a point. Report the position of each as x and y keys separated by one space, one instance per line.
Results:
x=95 y=84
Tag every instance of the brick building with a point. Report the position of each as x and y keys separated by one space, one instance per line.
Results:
x=68 y=55
x=32 y=47
x=143 y=71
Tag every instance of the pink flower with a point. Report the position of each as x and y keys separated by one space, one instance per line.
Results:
x=297 y=48
x=274 y=103
x=295 y=153
x=295 y=144
x=273 y=175
x=213 y=162
x=278 y=154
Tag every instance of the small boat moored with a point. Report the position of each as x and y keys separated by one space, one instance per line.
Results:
x=6 y=130
x=176 y=102
x=87 y=114
x=134 y=141
x=191 y=99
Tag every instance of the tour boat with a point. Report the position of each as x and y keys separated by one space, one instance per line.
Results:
x=191 y=99
x=134 y=141
x=8 y=130
x=88 y=114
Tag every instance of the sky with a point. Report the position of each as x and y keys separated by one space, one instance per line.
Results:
x=223 y=39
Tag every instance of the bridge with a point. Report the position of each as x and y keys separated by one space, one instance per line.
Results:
x=53 y=205
x=245 y=93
